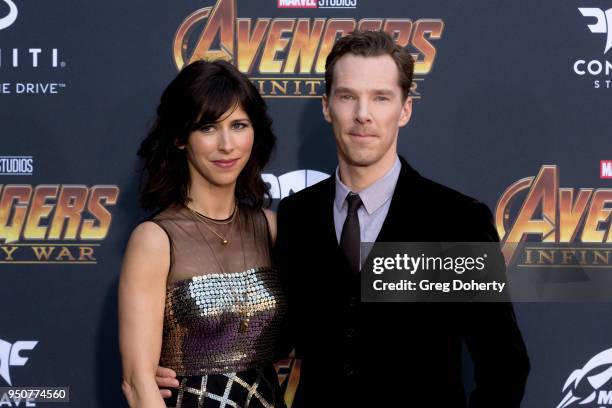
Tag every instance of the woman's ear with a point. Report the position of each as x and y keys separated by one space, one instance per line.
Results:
x=178 y=144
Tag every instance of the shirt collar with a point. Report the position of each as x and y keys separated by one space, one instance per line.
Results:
x=375 y=195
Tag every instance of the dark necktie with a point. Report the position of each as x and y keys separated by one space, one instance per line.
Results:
x=350 y=238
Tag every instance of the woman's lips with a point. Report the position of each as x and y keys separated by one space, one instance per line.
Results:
x=225 y=164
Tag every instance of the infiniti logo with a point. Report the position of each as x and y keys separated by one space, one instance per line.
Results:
x=10 y=17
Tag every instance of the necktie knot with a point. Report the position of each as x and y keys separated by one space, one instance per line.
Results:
x=354 y=202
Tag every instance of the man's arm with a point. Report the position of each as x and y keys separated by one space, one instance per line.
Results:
x=283 y=258
x=165 y=378
x=492 y=336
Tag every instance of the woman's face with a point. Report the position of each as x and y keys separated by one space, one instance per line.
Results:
x=218 y=152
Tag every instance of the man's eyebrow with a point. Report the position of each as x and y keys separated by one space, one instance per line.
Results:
x=381 y=91
x=343 y=89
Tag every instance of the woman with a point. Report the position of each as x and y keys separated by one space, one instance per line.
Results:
x=197 y=293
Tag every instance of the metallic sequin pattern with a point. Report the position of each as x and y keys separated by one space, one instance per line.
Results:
x=224 y=397
x=221 y=323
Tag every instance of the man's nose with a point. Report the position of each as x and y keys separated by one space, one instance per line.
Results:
x=362 y=115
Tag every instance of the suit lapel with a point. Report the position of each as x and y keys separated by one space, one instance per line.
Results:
x=325 y=213
x=403 y=207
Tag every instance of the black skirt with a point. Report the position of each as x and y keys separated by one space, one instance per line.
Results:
x=253 y=388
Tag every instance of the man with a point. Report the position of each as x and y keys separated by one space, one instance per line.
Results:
x=384 y=354
x=357 y=354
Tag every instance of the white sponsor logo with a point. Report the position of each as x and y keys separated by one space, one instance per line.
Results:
x=10 y=357
x=31 y=57
x=8 y=402
x=606 y=169
x=11 y=17
x=351 y=4
x=592 y=377
x=602 y=23
x=289 y=183
x=16 y=165
x=600 y=69
x=297 y=4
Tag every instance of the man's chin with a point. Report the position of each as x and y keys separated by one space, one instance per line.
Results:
x=361 y=161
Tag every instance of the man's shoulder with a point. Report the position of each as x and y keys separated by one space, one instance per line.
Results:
x=435 y=193
x=431 y=194
x=461 y=216
x=315 y=194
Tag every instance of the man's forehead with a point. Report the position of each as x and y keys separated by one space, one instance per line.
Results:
x=366 y=73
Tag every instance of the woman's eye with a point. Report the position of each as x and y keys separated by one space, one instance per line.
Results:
x=240 y=125
x=207 y=129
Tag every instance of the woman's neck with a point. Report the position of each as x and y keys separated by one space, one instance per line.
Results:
x=216 y=202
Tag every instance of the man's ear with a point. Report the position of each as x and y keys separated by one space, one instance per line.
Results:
x=406 y=112
x=325 y=107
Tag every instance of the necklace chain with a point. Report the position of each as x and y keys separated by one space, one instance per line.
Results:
x=204 y=218
x=245 y=316
x=226 y=221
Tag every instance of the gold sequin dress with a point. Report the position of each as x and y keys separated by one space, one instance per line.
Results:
x=223 y=310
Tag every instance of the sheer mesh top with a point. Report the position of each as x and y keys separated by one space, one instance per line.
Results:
x=223 y=301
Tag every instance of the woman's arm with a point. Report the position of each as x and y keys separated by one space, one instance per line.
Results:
x=142 y=294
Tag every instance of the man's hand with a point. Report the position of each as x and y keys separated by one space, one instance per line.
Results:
x=165 y=378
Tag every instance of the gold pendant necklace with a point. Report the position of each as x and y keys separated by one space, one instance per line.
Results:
x=244 y=324
x=245 y=316
x=204 y=218
x=226 y=221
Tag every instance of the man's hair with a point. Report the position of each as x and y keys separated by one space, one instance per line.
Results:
x=371 y=44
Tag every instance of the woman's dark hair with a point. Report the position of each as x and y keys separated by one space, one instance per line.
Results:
x=199 y=95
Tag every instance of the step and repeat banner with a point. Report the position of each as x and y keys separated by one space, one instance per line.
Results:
x=512 y=106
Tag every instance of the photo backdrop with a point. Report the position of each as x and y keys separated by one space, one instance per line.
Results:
x=504 y=91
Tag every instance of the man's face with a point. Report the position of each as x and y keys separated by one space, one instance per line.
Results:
x=366 y=109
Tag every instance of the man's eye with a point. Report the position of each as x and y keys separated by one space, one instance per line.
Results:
x=346 y=97
x=381 y=98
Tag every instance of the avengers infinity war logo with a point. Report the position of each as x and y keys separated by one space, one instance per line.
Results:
x=573 y=226
x=285 y=57
x=52 y=223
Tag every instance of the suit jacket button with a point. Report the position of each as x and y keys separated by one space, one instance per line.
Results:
x=350 y=333
x=348 y=370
